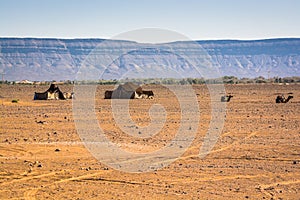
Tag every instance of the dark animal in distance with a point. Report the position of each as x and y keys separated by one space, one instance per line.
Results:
x=145 y=94
x=282 y=99
x=108 y=94
x=226 y=98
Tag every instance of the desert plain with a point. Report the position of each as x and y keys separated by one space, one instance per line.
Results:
x=257 y=155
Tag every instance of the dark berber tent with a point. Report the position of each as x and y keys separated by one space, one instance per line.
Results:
x=128 y=91
x=52 y=93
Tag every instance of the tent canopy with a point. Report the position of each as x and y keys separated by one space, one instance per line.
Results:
x=128 y=91
x=52 y=93
x=130 y=87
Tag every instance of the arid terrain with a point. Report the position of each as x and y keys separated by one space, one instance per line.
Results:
x=257 y=155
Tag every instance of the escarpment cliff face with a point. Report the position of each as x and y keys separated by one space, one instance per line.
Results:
x=62 y=59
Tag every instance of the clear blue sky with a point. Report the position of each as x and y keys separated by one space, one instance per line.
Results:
x=197 y=19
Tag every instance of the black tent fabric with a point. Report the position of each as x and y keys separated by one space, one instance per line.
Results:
x=126 y=91
x=53 y=89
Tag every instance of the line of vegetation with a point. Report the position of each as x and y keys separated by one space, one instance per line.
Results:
x=169 y=81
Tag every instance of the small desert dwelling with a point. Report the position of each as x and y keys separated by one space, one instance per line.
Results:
x=128 y=91
x=52 y=93
x=226 y=98
x=282 y=99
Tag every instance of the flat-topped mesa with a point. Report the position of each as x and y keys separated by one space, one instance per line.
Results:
x=40 y=59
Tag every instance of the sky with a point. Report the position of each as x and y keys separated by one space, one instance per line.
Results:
x=196 y=19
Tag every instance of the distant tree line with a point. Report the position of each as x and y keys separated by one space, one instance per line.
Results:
x=170 y=81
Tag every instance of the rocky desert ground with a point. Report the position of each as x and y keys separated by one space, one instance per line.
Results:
x=257 y=155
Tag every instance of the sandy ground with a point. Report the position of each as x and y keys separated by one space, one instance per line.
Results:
x=257 y=155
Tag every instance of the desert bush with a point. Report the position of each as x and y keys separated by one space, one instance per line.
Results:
x=15 y=100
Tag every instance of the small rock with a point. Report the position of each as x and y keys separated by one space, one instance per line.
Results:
x=57 y=150
x=294 y=162
x=39 y=165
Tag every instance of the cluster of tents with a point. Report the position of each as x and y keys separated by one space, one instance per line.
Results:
x=124 y=91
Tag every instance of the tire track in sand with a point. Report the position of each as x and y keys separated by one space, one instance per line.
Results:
x=219 y=178
x=31 y=193
x=265 y=188
x=233 y=144
x=27 y=178
x=197 y=155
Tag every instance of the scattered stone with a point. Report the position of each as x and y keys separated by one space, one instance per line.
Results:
x=88 y=169
x=294 y=162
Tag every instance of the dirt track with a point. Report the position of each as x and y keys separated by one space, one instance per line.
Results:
x=256 y=157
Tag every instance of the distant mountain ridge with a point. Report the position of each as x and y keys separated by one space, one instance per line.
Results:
x=60 y=59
